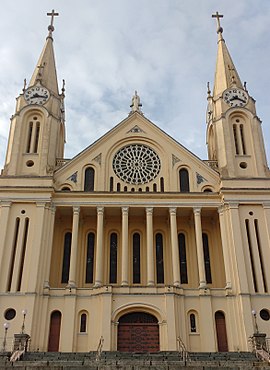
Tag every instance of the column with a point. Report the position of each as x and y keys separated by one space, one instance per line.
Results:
x=99 y=255
x=199 y=246
x=74 y=247
x=150 y=251
x=224 y=244
x=175 y=249
x=124 y=279
x=47 y=262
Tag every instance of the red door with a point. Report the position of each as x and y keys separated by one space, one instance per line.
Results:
x=54 y=333
x=138 y=332
x=221 y=332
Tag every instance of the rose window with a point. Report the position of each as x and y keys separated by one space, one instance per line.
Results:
x=136 y=164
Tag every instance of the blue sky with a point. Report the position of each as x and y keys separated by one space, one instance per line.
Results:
x=105 y=50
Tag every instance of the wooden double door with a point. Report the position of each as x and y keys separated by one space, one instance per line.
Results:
x=138 y=332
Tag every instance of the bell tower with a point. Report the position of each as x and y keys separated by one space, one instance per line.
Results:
x=37 y=129
x=234 y=134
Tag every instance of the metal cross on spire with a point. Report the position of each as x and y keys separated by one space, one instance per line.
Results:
x=51 y=27
x=218 y=16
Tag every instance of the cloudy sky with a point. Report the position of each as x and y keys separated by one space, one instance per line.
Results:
x=164 y=49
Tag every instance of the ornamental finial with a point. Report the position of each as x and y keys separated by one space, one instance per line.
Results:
x=218 y=16
x=51 y=27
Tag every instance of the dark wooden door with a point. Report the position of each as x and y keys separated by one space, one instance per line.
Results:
x=138 y=332
x=221 y=332
x=54 y=333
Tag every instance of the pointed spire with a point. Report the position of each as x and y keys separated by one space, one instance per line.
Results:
x=136 y=103
x=45 y=71
x=226 y=75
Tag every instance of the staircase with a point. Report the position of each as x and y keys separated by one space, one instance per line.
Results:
x=133 y=361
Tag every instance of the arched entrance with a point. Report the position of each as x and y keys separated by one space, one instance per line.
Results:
x=221 y=332
x=138 y=332
x=54 y=333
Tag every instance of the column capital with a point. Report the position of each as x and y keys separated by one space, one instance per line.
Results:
x=41 y=204
x=149 y=210
x=173 y=211
x=76 y=209
x=266 y=205
x=234 y=205
x=221 y=210
x=100 y=210
x=5 y=203
x=125 y=210
x=197 y=210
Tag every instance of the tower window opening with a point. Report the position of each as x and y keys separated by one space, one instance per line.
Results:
x=14 y=248
x=113 y=258
x=206 y=254
x=251 y=255
x=258 y=239
x=235 y=139
x=242 y=139
x=36 y=137
x=159 y=259
x=25 y=235
x=30 y=129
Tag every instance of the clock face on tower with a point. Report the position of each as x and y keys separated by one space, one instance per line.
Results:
x=36 y=95
x=235 y=97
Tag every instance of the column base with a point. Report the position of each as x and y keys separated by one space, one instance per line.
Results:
x=71 y=284
x=124 y=283
x=176 y=283
x=202 y=285
x=98 y=284
x=150 y=283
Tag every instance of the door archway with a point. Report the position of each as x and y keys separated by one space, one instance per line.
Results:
x=54 y=332
x=221 y=332
x=138 y=332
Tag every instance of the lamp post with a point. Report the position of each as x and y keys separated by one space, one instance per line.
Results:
x=6 y=326
x=254 y=313
x=24 y=312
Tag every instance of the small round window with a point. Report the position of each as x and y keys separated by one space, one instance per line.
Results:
x=9 y=314
x=265 y=315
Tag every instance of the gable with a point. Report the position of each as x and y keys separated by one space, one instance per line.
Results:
x=136 y=156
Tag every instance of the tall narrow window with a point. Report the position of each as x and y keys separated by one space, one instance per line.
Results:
x=184 y=180
x=159 y=259
x=36 y=137
x=66 y=258
x=136 y=258
x=90 y=258
x=25 y=235
x=206 y=255
x=251 y=256
x=111 y=183
x=192 y=323
x=242 y=139
x=235 y=139
x=89 y=179
x=113 y=258
x=182 y=258
x=14 y=248
x=118 y=186
x=155 y=187
x=30 y=129
x=83 y=323
x=162 y=184
x=257 y=234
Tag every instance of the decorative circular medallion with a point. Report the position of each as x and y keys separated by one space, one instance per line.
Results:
x=136 y=164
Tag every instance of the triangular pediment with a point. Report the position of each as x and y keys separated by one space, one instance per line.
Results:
x=136 y=130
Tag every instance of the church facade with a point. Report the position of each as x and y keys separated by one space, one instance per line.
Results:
x=135 y=243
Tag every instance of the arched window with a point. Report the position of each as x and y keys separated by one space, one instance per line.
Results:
x=113 y=258
x=136 y=258
x=159 y=259
x=83 y=323
x=111 y=183
x=206 y=258
x=155 y=187
x=90 y=258
x=184 y=180
x=33 y=135
x=162 y=184
x=89 y=179
x=66 y=257
x=192 y=323
x=118 y=186
x=182 y=258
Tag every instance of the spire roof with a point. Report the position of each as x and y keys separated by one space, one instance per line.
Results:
x=45 y=71
x=226 y=75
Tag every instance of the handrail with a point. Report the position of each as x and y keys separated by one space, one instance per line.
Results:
x=99 y=348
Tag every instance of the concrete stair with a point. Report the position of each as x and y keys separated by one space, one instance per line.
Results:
x=133 y=361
